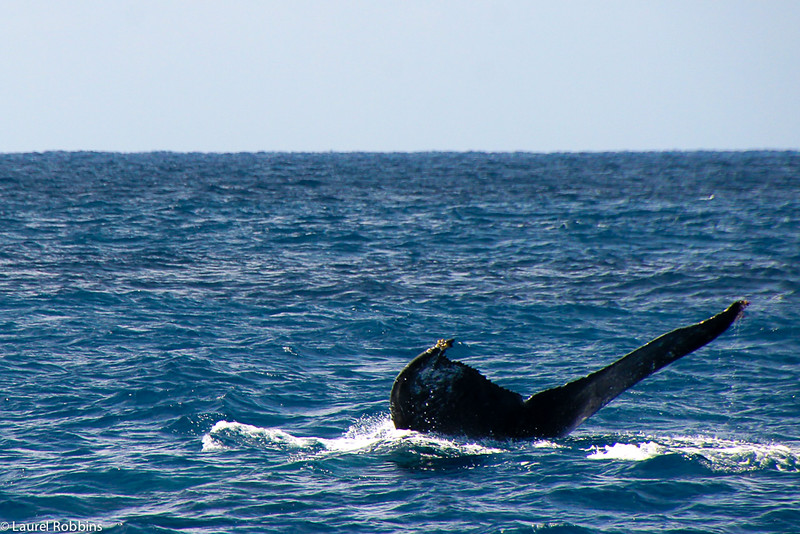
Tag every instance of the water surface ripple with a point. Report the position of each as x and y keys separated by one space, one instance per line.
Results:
x=206 y=342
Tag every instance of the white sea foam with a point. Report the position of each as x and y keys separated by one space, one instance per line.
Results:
x=373 y=434
x=626 y=451
x=379 y=435
x=211 y=444
x=719 y=454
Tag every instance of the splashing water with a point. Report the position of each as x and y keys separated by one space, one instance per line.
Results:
x=718 y=454
x=367 y=435
x=378 y=435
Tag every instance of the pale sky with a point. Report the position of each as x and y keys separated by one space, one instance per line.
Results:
x=387 y=75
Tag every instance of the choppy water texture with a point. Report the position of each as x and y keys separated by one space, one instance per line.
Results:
x=206 y=343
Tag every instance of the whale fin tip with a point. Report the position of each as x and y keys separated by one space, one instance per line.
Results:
x=444 y=343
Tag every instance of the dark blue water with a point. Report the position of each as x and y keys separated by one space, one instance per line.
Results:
x=206 y=343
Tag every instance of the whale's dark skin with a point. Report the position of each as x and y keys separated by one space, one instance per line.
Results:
x=436 y=394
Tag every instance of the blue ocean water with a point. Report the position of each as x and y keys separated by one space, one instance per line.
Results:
x=206 y=342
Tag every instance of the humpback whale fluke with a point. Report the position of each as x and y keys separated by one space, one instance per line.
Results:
x=436 y=394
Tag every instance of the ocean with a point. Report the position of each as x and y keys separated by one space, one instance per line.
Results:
x=206 y=342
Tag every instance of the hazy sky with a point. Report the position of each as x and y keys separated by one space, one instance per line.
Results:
x=383 y=75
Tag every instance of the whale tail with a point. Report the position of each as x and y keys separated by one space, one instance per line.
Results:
x=557 y=412
x=435 y=394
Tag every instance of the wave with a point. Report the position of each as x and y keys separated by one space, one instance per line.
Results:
x=371 y=434
x=716 y=453
x=377 y=435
